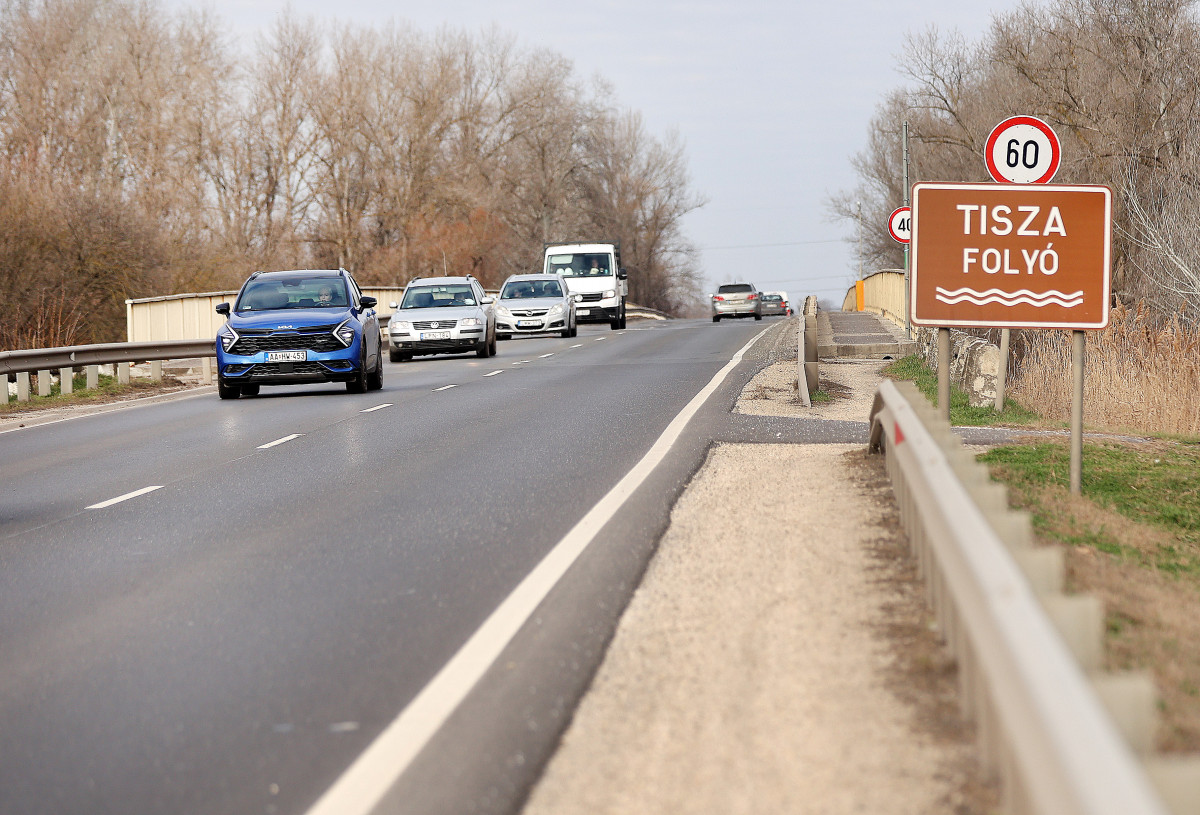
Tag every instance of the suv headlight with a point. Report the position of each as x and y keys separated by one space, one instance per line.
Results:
x=470 y=321
x=610 y=293
x=345 y=332
x=228 y=337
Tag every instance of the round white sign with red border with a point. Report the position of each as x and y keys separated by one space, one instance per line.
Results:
x=900 y=224
x=1022 y=150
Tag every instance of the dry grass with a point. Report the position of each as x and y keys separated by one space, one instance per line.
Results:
x=1139 y=376
x=1150 y=609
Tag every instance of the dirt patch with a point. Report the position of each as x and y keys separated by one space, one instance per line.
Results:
x=924 y=674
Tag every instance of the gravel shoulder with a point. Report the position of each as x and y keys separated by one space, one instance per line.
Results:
x=777 y=656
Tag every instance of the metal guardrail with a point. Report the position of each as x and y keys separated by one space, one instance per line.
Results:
x=1062 y=741
x=73 y=356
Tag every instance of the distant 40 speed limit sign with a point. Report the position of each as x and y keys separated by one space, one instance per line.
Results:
x=1022 y=150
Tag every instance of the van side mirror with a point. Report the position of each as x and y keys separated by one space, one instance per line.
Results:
x=223 y=309
x=622 y=274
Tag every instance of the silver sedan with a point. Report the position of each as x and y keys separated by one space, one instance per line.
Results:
x=535 y=304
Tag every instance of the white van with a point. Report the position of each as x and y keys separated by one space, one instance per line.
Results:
x=594 y=277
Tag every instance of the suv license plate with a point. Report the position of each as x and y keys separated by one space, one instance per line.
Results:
x=287 y=356
x=436 y=335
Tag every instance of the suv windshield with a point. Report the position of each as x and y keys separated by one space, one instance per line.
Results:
x=585 y=265
x=729 y=288
x=438 y=296
x=267 y=294
x=522 y=289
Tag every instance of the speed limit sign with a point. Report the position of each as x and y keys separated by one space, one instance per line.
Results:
x=900 y=224
x=1022 y=150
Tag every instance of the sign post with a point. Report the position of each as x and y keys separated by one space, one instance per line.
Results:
x=1013 y=256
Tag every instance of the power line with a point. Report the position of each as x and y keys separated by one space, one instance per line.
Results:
x=772 y=245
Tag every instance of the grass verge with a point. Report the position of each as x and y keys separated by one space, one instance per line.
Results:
x=1133 y=539
x=108 y=389
x=962 y=413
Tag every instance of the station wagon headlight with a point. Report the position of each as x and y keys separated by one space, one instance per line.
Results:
x=469 y=321
x=228 y=337
x=345 y=332
x=503 y=312
x=555 y=311
x=399 y=327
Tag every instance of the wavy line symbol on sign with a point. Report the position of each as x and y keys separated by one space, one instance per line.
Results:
x=1010 y=298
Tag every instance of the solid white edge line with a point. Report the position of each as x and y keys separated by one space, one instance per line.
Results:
x=367 y=780
x=279 y=441
x=377 y=407
x=444 y=388
x=125 y=497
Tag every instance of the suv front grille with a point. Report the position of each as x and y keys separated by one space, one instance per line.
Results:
x=319 y=339
x=277 y=368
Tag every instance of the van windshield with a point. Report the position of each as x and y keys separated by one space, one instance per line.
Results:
x=589 y=264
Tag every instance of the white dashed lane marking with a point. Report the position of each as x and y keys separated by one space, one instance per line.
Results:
x=580 y=345
x=493 y=373
x=284 y=440
x=125 y=497
x=377 y=407
x=543 y=356
x=444 y=388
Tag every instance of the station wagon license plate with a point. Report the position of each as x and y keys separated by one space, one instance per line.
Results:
x=436 y=335
x=528 y=323
x=287 y=356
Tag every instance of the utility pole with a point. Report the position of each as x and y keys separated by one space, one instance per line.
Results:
x=907 y=274
x=858 y=207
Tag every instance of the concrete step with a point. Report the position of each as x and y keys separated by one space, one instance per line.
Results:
x=860 y=335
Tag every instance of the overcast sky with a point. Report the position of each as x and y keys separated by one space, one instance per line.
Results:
x=771 y=97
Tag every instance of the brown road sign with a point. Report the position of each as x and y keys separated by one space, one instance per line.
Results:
x=1011 y=255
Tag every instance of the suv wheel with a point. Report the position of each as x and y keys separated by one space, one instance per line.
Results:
x=227 y=391
x=359 y=383
x=758 y=316
x=716 y=318
x=375 y=380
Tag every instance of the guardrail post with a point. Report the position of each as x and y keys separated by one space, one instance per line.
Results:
x=93 y=377
x=123 y=373
x=23 y=386
x=66 y=381
x=208 y=370
x=43 y=383
x=156 y=370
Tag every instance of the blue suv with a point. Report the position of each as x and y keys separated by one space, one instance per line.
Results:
x=288 y=328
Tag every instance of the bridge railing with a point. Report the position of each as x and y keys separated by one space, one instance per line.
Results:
x=1063 y=737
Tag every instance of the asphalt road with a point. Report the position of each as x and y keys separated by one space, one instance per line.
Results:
x=232 y=640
